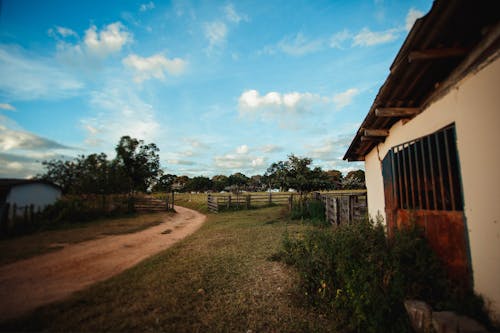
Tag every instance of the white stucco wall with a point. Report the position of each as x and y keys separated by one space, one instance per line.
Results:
x=40 y=195
x=474 y=106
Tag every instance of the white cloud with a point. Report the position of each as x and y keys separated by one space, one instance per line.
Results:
x=180 y=162
x=366 y=37
x=270 y=148
x=27 y=77
x=234 y=16
x=147 y=6
x=257 y=162
x=61 y=32
x=239 y=162
x=297 y=45
x=118 y=110
x=109 y=40
x=411 y=17
x=11 y=139
x=251 y=102
x=242 y=149
x=216 y=33
x=7 y=106
x=339 y=38
x=145 y=68
x=345 y=98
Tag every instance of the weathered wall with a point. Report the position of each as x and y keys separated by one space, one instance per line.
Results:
x=40 y=195
x=474 y=106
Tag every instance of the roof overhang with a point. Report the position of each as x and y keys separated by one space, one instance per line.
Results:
x=453 y=39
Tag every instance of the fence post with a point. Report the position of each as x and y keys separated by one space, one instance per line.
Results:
x=270 y=200
x=350 y=208
x=326 y=202
x=338 y=212
x=229 y=201
x=248 y=201
x=290 y=202
x=173 y=200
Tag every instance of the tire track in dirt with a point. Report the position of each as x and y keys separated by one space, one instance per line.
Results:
x=28 y=284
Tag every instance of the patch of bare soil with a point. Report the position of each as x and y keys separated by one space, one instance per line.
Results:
x=28 y=284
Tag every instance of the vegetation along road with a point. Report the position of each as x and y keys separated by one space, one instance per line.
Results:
x=30 y=283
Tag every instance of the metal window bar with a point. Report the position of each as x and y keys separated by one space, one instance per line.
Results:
x=412 y=183
x=425 y=179
x=406 y=199
x=450 y=169
x=440 y=170
x=434 y=172
x=394 y=181
x=399 y=180
x=431 y=163
x=417 y=166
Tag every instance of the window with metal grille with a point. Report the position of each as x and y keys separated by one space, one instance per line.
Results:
x=424 y=173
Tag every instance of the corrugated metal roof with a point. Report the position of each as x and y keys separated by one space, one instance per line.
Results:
x=443 y=45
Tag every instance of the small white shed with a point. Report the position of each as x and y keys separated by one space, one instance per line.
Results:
x=27 y=192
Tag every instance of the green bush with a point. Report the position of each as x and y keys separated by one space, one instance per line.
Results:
x=357 y=274
x=311 y=210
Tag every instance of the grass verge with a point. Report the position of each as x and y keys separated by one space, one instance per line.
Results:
x=219 y=279
x=24 y=247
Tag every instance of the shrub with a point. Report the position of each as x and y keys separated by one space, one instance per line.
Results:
x=311 y=210
x=362 y=277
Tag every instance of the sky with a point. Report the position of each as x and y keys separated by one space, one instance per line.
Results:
x=220 y=87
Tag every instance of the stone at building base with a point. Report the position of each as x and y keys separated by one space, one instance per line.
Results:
x=424 y=320
x=420 y=314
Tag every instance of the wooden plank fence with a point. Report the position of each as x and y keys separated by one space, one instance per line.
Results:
x=345 y=207
x=12 y=215
x=217 y=202
x=154 y=204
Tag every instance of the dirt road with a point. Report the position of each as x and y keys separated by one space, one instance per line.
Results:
x=28 y=284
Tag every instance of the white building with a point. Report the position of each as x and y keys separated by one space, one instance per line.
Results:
x=24 y=193
x=428 y=140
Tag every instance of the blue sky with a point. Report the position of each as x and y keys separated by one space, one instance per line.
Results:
x=219 y=86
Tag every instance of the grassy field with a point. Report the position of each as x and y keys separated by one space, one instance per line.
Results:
x=221 y=278
x=23 y=247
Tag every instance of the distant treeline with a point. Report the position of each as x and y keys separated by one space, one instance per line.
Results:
x=136 y=168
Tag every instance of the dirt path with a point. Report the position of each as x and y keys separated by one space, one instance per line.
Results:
x=28 y=284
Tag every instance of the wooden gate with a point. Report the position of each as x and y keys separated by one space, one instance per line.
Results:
x=422 y=186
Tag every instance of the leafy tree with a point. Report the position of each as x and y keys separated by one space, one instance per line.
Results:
x=164 y=183
x=220 y=182
x=334 y=178
x=199 y=184
x=238 y=181
x=354 y=180
x=255 y=183
x=61 y=173
x=140 y=161
x=276 y=175
x=180 y=183
x=135 y=168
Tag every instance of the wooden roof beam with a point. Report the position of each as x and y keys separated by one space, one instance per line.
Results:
x=431 y=54
x=381 y=133
x=375 y=139
x=401 y=112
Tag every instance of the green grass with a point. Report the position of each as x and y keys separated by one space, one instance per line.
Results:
x=24 y=247
x=221 y=278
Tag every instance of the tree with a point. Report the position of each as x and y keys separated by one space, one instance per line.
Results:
x=276 y=175
x=199 y=184
x=164 y=183
x=140 y=162
x=136 y=167
x=354 y=180
x=220 y=182
x=61 y=173
x=238 y=181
